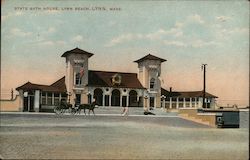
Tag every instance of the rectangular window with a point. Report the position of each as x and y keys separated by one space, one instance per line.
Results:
x=43 y=98
x=63 y=97
x=173 y=105
x=56 y=99
x=180 y=105
x=49 y=102
x=152 y=83
x=78 y=80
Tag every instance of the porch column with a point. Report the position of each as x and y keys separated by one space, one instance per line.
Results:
x=164 y=103
x=21 y=100
x=46 y=98
x=184 y=103
x=170 y=102
x=60 y=97
x=109 y=100
x=52 y=98
x=120 y=100
x=37 y=100
x=177 y=102
x=127 y=99
x=155 y=102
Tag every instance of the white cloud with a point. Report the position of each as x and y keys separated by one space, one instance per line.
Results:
x=11 y=14
x=124 y=38
x=19 y=32
x=18 y=13
x=47 y=43
x=4 y=17
x=179 y=25
x=239 y=30
x=157 y=35
x=77 y=38
x=51 y=30
x=224 y=33
x=223 y=18
x=198 y=43
x=52 y=43
x=179 y=36
x=195 y=18
x=175 y=43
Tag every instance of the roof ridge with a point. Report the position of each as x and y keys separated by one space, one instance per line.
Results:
x=77 y=51
x=112 y=72
x=150 y=57
x=57 y=81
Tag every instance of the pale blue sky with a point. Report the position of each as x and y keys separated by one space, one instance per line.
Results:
x=186 y=33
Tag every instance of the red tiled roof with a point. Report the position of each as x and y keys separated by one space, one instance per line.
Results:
x=150 y=57
x=96 y=79
x=187 y=94
x=77 y=51
x=104 y=79
x=58 y=86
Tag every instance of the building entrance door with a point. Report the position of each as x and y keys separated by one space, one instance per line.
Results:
x=78 y=99
x=115 y=98
x=124 y=101
x=152 y=102
x=28 y=104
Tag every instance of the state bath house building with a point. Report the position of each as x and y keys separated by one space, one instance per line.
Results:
x=81 y=85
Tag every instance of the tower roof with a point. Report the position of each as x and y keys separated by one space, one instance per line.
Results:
x=149 y=57
x=77 y=51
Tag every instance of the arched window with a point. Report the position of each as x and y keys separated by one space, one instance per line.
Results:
x=78 y=80
x=152 y=83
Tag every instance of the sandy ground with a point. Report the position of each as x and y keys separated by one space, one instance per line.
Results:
x=116 y=137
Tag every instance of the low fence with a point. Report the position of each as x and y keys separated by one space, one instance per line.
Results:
x=10 y=105
x=193 y=115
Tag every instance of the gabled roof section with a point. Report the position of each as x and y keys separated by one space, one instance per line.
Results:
x=149 y=57
x=104 y=79
x=28 y=86
x=186 y=94
x=77 y=51
x=58 y=86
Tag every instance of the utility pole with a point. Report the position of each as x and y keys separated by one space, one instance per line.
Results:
x=204 y=85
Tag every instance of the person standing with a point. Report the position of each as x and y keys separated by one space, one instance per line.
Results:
x=125 y=111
